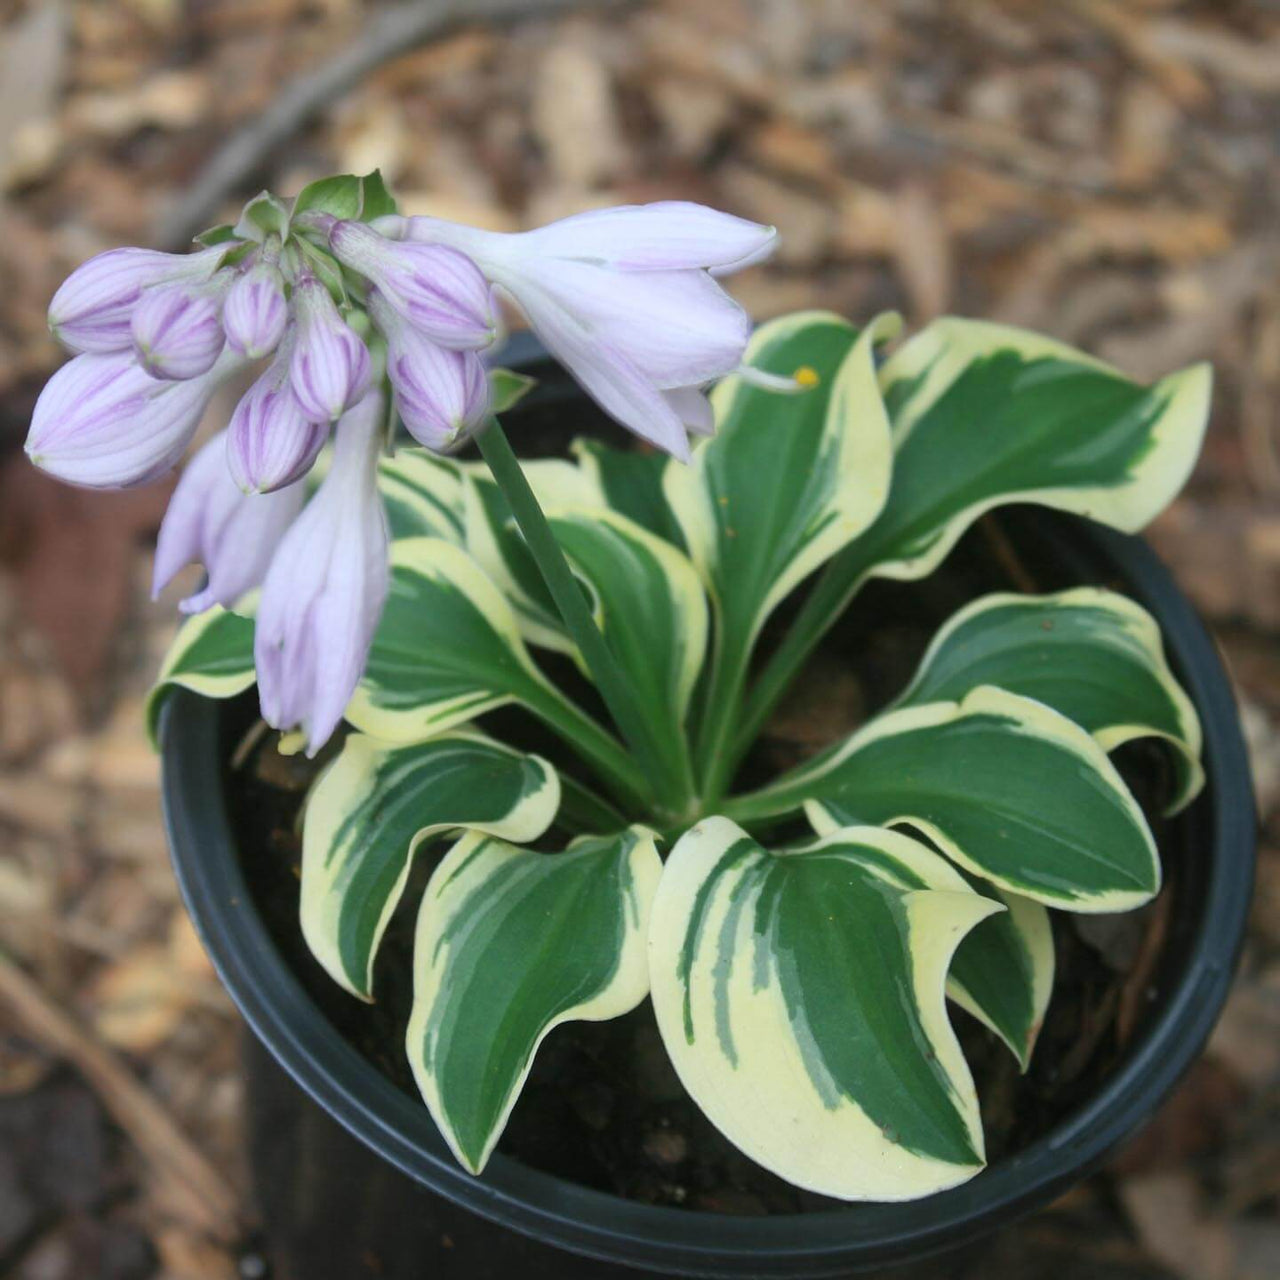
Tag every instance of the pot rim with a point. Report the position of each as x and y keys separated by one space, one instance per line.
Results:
x=400 y=1130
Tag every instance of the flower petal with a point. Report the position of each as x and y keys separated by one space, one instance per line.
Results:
x=177 y=331
x=330 y=366
x=436 y=289
x=679 y=328
x=233 y=534
x=607 y=375
x=104 y=423
x=693 y=409
x=255 y=312
x=325 y=589
x=92 y=307
x=668 y=235
x=441 y=396
x=272 y=441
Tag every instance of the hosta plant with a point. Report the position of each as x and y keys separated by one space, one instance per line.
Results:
x=800 y=981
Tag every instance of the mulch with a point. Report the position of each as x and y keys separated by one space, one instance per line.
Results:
x=1105 y=171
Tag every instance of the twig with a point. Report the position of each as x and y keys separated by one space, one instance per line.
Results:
x=211 y=1201
x=1006 y=555
x=1179 y=81
x=391 y=33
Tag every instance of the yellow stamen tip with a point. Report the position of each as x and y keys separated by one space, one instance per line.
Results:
x=806 y=376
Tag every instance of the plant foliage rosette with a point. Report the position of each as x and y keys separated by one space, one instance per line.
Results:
x=800 y=983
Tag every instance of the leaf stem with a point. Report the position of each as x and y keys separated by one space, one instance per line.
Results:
x=608 y=677
x=720 y=710
x=758 y=807
x=585 y=813
x=831 y=594
x=594 y=744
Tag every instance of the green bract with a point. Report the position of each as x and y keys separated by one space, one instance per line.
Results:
x=800 y=987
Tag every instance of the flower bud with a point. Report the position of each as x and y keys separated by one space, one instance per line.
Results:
x=91 y=310
x=177 y=331
x=625 y=300
x=104 y=423
x=325 y=589
x=272 y=441
x=441 y=396
x=255 y=313
x=233 y=534
x=330 y=367
x=436 y=289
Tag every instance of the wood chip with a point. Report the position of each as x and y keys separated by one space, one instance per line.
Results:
x=208 y=1199
x=1167 y=1214
x=574 y=116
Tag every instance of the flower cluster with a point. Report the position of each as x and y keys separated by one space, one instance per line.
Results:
x=339 y=317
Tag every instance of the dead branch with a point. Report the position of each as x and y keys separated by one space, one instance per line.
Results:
x=210 y=1201
x=391 y=33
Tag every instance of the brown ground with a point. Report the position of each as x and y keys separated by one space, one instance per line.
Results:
x=1105 y=171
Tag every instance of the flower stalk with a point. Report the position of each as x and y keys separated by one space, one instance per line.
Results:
x=671 y=785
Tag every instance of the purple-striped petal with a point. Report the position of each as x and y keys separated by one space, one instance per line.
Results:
x=330 y=365
x=92 y=308
x=325 y=589
x=177 y=331
x=255 y=313
x=624 y=298
x=272 y=441
x=211 y=522
x=441 y=396
x=104 y=423
x=436 y=289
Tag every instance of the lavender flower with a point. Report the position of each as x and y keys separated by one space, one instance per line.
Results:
x=104 y=423
x=233 y=534
x=325 y=588
x=92 y=309
x=436 y=289
x=272 y=440
x=625 y=299
x=177 y=330
x=441 y=396
x=330 y=366
x=255 y=313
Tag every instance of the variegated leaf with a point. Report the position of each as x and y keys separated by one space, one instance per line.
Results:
x=631 y=483
x=448 y=649
x=985 y=415
x=422 y=495
x=511 y=943
x=493 y=538
x=212 y=655
x=1093 y=655
x=372 y=808
x=1006 y=787
x=1003 y=971
x=800 y=995
x=788 y=479
x=651 y=608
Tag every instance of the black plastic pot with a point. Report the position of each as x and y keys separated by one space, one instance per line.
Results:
x=411 y=1210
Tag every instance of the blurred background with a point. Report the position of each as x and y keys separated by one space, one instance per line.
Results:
x=1105 y=171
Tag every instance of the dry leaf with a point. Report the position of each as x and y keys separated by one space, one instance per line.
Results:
x=1166 y=1211
x=574 y=116
x=32 y=64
